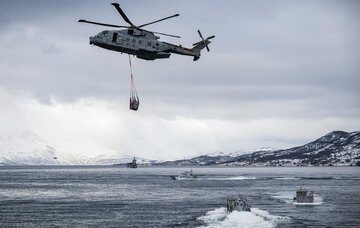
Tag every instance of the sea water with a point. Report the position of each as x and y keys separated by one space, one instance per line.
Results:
x=110 y=196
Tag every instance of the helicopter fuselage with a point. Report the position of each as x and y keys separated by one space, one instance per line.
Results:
x=141 y=43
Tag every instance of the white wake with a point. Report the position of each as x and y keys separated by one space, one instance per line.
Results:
x=232 y=178
x=287 y=178
x=257 y=218
x=288 y=197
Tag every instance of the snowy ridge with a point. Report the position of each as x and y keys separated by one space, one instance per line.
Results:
x=28 y=149
x=238 y=153
x=118 y=160
x=337 y=148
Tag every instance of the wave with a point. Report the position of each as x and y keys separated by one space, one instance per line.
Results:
x=219 y=218
x=287 y=197
x=241 y=178
x=187 y=179
x=287 y=178
x=333 y=178
x=316 y=178
x=347 y=178
x=308 y=204
x=232 y=178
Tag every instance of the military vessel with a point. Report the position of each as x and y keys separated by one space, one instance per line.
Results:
x=303 y=196
x=185 y=175
x=132 y=164
x=238 y=204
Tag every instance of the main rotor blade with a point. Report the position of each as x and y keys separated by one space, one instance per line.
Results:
x=165 y=34
x=160 y=33
x=97 y=23
x=117 y=6
x=175 y=15
x=210 y=37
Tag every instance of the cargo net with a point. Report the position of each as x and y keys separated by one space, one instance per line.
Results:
x=134 y=99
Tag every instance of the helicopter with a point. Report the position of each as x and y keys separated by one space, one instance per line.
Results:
x=144 y=44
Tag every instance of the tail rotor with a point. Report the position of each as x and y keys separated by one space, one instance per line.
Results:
x=204 y=41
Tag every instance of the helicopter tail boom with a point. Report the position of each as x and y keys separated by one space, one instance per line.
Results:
x=201 y=45
x=197 y=49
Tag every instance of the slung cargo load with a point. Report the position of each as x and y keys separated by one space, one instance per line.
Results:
x=134 y=98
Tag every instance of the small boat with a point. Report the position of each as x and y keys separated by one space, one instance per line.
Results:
x=238 y=204
x=185 y=175
x=132 y=164
x=303 y=196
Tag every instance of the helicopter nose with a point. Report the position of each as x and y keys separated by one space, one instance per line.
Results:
x=92 y=39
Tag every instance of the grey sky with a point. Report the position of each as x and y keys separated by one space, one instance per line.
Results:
x=280 y=73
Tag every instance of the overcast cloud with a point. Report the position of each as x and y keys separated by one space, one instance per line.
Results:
x=279 y=74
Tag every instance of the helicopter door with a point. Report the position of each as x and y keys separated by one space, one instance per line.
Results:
x=119 y=40
x=114 y=37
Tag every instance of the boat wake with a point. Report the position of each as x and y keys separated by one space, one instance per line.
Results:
x=288 y=196
x=232 y=178
x=186 y=179
x=316 y=178
x=256 y=218
x=287 y=178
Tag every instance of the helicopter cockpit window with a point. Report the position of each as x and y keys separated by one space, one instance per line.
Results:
x=102 y=34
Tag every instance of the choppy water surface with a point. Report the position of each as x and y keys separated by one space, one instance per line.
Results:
x=147 y=197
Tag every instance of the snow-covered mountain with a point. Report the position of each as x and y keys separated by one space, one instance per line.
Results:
x=335 y=148
x=118 y=160
x=28 y=148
